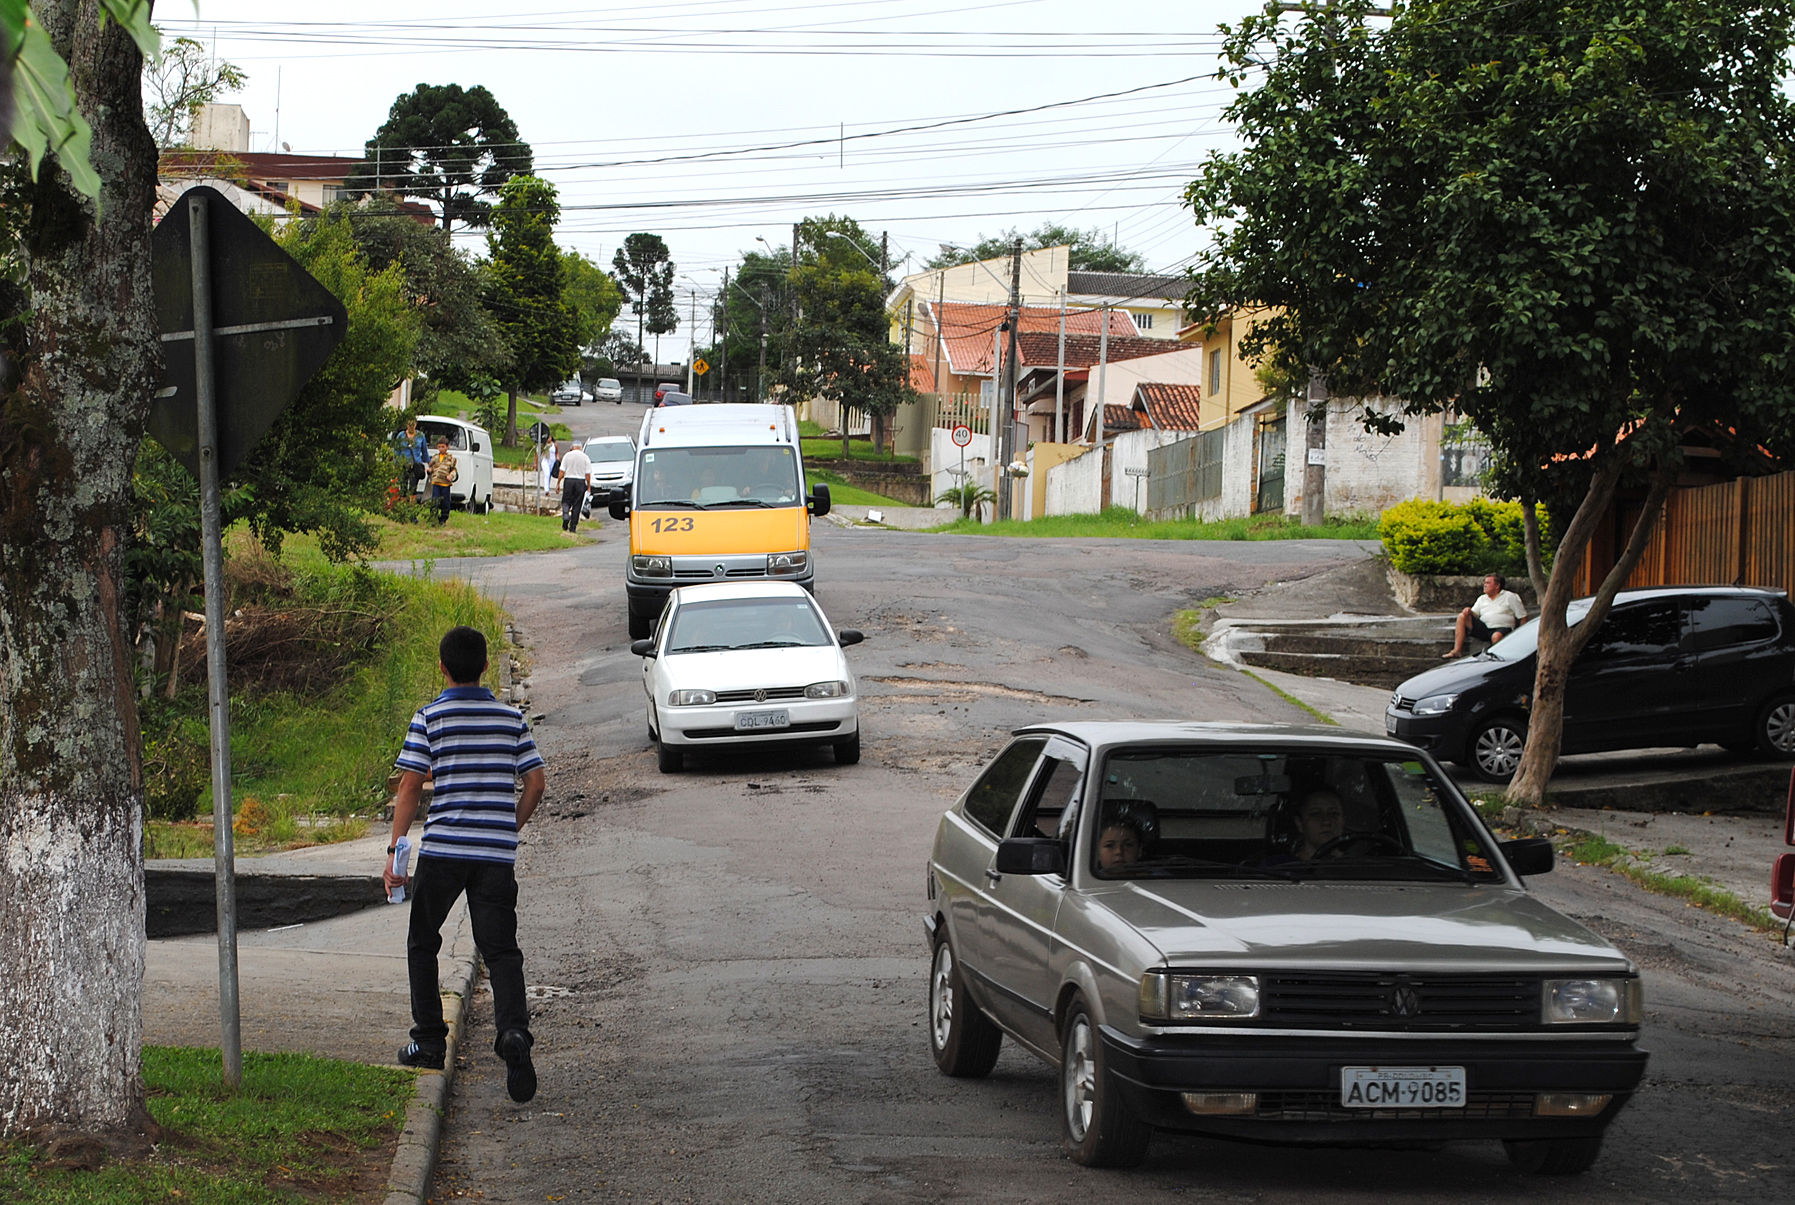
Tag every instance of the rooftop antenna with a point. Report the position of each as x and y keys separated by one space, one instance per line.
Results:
x=277 y=141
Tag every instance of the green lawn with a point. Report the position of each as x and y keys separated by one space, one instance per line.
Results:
x=815 y=447
x=498 y=534
x=1119 y=521
x=848 y=495
x=303 y=1129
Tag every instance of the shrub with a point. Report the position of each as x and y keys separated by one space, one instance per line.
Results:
x=1479 y=536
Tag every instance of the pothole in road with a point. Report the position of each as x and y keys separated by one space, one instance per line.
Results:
x=967 y=690
x=543 y=991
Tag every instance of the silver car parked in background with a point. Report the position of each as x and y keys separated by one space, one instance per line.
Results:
x=1269 y=933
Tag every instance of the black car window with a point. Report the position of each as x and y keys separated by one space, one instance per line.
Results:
x=1652 y=629
x=1722 y=623
x=993 y=797
x=1056 y=788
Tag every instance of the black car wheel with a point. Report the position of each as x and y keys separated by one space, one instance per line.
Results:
x=1493 y=751
x=1775 y=733
x=962 y=1039
x=1555 y=1156
x=672 y=759
x=1096 y=1126
x=847 y=752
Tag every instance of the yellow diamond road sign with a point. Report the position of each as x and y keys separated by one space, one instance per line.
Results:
x=700 y=367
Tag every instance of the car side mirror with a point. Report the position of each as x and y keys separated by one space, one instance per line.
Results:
x=642 y=648
x=1030 y=855
x=1782 y=886
x=1529 y=855
x=818 y=502
x=851 y=636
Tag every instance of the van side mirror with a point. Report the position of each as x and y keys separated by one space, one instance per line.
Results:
x=476 y=445
x=1030 y=855
x=1529 y=855
x=642 y=648
x=851 y=636
x=818 y=502
x=619 y=503
x=1782 y=886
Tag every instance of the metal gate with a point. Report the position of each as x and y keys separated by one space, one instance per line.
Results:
x=1182 y=474
x=1271 y=466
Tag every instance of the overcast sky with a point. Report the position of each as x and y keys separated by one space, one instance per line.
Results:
x=718 y=90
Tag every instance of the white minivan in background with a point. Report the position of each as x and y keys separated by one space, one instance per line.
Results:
x=472 y=448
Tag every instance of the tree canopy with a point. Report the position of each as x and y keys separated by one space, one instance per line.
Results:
x=524 y=291
x=594 y=296
x=644 y=270
x=1572 y=222
x=187 y=76
x=1089 y=251
x=448 y=145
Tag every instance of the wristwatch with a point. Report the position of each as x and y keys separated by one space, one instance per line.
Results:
x=392 y=849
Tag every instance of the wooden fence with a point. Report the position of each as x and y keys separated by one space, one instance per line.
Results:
x=969 y=408
x=1736 y=533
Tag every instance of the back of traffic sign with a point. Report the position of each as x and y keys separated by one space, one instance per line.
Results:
x=274 y=326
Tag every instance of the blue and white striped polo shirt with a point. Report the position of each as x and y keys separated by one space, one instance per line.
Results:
x=478 y=748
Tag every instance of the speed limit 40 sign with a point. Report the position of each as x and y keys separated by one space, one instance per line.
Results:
x=962 y=435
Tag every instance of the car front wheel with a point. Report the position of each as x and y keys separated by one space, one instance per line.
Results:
x=1775 y=732
x=1098 y=1129
x=672 y=759
x=1555 y=1156
x=847 y=753
x=964 y=1041
x=1493 y=752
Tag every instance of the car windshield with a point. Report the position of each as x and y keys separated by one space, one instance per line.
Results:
x=610 y=449
x=1523 y=642
x=608 y=383
x=726 y=624
x=1180 y=813
x=718 y=478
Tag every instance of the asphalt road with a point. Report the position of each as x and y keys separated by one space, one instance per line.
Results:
x=728 y=965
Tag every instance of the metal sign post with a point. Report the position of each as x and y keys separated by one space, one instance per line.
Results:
x=1137 y=474
x=218 y=697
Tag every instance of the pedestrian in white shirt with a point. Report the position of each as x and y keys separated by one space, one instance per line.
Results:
x=547 y=465
x=1496 y=613
x=575 y=477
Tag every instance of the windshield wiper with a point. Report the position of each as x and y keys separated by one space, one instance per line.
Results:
x=1166 y=867
x=775 y=644
x=703 y=648
x=741 y=502
x=672 y=502
x=1408 y=861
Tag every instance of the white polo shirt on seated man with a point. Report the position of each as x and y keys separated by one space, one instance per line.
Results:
x=1496 y=613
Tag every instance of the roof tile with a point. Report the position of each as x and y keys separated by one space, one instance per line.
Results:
x=968 y=329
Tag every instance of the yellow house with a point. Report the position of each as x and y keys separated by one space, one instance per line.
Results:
x=1229 y=382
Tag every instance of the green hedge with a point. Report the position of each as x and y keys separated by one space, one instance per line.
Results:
x=1445 y=537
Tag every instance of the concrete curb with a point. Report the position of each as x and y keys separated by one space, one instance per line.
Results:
x=414 y=1163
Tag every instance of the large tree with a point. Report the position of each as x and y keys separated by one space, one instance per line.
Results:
x=644 y=270
x=524 y=292
x=448 y=145
x=81 y=353
x=594 y=296
x=1088 y=250
x=842 y=340
x=1573 y=221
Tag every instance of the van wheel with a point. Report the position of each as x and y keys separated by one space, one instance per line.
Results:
x=1097 y=1127
x=1554 y=1156
x=1494 y=749
x=479 y=508
x=638 y=626
x=1775 y=732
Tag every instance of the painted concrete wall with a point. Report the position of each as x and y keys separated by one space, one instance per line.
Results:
x=1042 y=457
x=944 y=460
x=1368 y=472
x=1076 y=487
x=1130 y=451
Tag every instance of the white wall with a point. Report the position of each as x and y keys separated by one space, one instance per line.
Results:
x=1076 y=487
x=1368 y=472
x=944 y=456
x=1130 y=451
x=1238 y=482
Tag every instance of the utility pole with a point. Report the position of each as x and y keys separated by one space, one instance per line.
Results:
x=1102 y=373
x=1315 y=462
x=940 y=294
x=1059 y=384
x=1008 y=444
x=692 y=355
x=884 y=254
x=760 y=377
x=792 y=338
x=723 y=340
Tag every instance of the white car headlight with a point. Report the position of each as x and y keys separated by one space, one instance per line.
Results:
x=652 y=566
x=1435 y=704
x=825 y=690
x=1172 y=997
x=1591 y=1002
x=691 y=698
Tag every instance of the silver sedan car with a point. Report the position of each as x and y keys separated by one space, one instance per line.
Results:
x=1270 y=933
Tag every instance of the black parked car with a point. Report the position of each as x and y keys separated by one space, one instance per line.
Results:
x=1678 y=666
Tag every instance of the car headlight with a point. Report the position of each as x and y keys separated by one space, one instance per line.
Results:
x=787 y=562
x=1170 y=997
x=652 y=566
x=691 y=698
x=1591 y=1001
x=825 y=690
x=1435 y=704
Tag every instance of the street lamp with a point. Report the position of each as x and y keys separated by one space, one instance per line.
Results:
x=850 y=241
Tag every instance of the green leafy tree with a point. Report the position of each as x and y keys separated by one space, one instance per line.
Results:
x=524 y=292
x=1571 y=221
x=758 y=303
x=843 y=346
x=186 y=76
x=1088 y=250
x=594 y=296
x=644 y=270
x=448 y=145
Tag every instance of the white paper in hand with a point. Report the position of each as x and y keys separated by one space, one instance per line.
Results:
x=401 y=867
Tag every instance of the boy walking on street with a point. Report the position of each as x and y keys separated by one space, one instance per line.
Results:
x=476 y=748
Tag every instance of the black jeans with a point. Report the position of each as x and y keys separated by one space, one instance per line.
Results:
x=440 y=502
x=572 y=492
x=491 y=889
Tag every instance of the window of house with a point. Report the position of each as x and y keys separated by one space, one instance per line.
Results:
x=1143 y=322
x=278 y=185
x=1215 y=372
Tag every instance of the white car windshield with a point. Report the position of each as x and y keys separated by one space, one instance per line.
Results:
x=715 y=478
x=608 y=383
x=723 y=625
x=611 y=449
x=1180 y=813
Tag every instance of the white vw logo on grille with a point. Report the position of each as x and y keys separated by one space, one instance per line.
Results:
x=760 y=696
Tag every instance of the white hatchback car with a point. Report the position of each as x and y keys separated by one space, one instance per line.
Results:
x=751 y=663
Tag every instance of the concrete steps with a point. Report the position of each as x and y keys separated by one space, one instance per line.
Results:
x=1368 y=651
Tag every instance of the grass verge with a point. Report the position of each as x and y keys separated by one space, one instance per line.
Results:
x=1120 y=522
x=498 y=534
x=1593 y=849
x=1186 y=626
x=302 y=1129
x=840 y=491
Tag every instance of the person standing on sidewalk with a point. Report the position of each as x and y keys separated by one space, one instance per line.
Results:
x=575 y=475
x=442 y=475
x=475 y=748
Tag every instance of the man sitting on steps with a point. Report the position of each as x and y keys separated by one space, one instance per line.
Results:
x=1496 y=613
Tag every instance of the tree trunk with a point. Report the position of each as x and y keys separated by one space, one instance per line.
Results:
x=879 y=432
x=1559 y=643
x=71 y=780
x=842 y=410
x=511 y=421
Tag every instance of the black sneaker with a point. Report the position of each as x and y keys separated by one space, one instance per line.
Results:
x=413 y=1055
x=520 y=1073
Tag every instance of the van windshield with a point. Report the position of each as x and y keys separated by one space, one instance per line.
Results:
x=1523 y=642
x=718 y=478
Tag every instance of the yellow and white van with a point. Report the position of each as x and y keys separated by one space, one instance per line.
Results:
x=718 y=496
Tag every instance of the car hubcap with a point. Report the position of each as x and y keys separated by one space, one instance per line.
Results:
x=1080 y=1076
x=1779 y=727
x=941 y=995
x=1499 y=751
